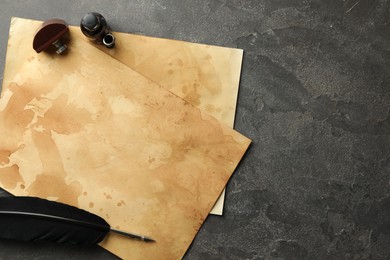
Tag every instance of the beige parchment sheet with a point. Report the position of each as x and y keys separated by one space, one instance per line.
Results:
x=203 y=75
x=87 y=130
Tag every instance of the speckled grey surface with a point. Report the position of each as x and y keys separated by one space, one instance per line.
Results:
x=315 y=99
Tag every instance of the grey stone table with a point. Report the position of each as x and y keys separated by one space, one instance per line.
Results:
x=315 y=99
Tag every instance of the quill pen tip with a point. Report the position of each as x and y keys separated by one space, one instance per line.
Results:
x=134 y=236
x=148 y=239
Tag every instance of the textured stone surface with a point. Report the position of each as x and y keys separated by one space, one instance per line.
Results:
x=314 y=97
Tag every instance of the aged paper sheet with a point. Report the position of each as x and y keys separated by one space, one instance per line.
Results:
x=205 y=76
x=87 y=130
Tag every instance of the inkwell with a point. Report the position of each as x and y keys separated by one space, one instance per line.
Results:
x=94 y=26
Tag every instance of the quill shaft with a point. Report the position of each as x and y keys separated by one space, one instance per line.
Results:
x=82 y=223
x=53 y=221
x=52 y=217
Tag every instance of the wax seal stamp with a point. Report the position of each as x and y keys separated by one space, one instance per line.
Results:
x=94 y=26
x=49 y=33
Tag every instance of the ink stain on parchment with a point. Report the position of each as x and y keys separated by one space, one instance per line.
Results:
x=53 y=175
x=4 y=156
x=64 y=117
x=121 y=203
x=14 y=116
x=10 y=176
x=108 y=196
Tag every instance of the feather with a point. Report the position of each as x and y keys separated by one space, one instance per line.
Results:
x=35 y=219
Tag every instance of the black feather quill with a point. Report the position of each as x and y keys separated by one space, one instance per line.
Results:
x=35 y=219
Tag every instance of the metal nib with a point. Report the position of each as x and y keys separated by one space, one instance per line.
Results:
x=134 y=236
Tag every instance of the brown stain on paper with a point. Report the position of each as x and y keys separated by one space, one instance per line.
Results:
x=15 y=117
x=64 y=117
x=4 y=156
x=193 y=77
x=10 y=177
x=53 y=175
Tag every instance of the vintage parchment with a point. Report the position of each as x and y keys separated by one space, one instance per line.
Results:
x=206 y=76
x=87 y=130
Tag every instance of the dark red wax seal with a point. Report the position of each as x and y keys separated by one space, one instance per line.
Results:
x=50 y=33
